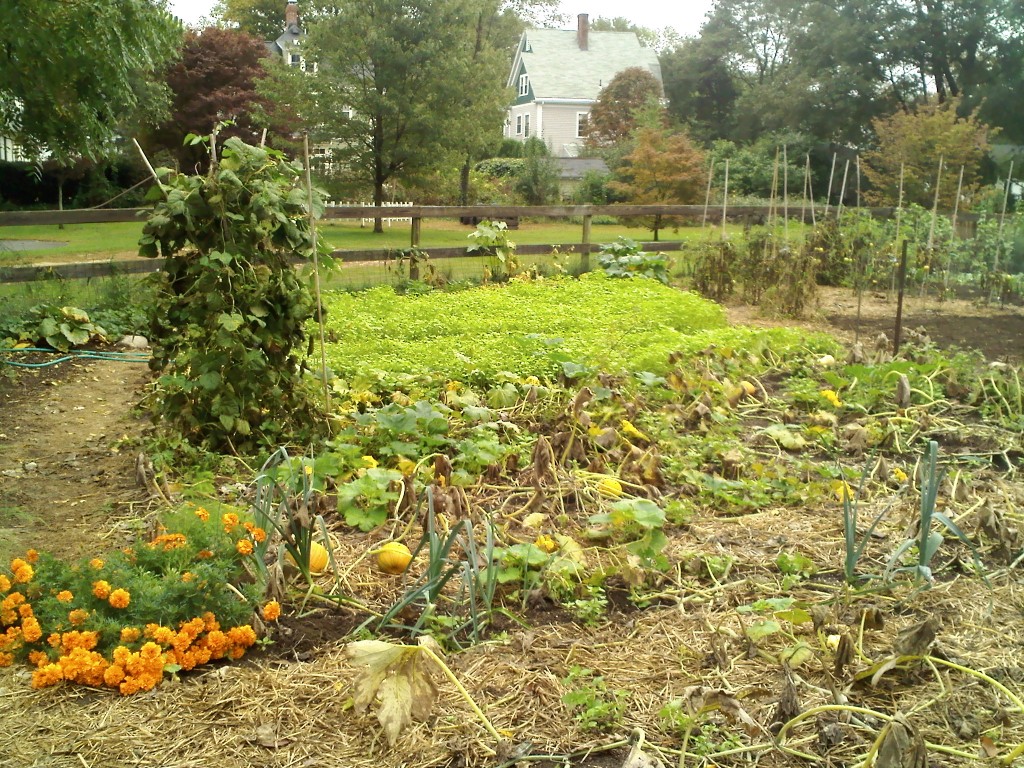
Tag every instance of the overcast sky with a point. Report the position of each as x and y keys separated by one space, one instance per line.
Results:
x=685 y=16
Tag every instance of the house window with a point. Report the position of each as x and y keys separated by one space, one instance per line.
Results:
x=519 y=125
x=526 y=126
x=524 y=85
x=582 y=123
x=295 y=59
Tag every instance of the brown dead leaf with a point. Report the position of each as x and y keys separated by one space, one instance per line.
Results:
x=701 y=698
x=845 y=654
x=579 y=402
x=916 y=640
x=788 y=705
x=901 y=746
x=903 y=392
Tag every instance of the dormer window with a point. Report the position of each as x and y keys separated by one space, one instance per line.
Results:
x=295 y=59
x=524 y=85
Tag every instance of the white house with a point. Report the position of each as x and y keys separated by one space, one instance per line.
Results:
x=558 y=74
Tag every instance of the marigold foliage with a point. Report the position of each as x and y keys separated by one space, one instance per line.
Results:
x=95 y=623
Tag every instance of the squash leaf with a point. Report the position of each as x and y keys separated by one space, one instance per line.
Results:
x=394 y=676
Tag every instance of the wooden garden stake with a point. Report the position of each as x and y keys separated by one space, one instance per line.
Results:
x=899 y=212
x=316 y=279
x=707 y=195
x=831 y=176
x=899 y=299
x=1002 y=220
x=725 y=196
x=785 y=194
x=858 y=181
x=956 y=210
x=931 y=228
x=808 y=189
x=842 y=193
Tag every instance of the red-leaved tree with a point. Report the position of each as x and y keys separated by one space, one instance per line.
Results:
x=214 y=81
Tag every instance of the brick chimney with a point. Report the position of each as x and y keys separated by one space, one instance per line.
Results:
x=291 y=14
x=583 y=31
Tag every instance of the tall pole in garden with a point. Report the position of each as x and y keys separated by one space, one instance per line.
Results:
x=725 y=196
x=931 y=228
x=316 y=278
x=808 y=189
x=831 y=176
x=707 y=195
x=1002 y=220
x=956 y=210
x=785 y=194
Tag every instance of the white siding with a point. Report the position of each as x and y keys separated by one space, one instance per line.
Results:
x=560 y=129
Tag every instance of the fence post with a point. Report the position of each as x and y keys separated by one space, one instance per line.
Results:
x=414 y=231
x=585 y=255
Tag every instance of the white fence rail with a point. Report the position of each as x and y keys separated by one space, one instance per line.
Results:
x=365 y=221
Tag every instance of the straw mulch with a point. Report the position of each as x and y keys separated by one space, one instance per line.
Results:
x=690 y=644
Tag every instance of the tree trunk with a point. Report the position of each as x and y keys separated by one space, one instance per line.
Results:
x=464 y=182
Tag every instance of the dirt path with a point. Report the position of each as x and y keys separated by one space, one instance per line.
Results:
x=67 y=463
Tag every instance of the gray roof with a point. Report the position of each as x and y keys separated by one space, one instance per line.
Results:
x=575 y=167
x=558 y=69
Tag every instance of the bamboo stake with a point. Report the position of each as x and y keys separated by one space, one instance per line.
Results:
x=831 y=176
x=956 y=210
x=707 y=195
x=809 y=186
x=858 y=181
x=931 y=228
x=725 y=196
x=775 y=190
x=842 y=194
x=785 y=194
x=1002 y=214
x=899 y=216
x=316 y=281
x=935 y=206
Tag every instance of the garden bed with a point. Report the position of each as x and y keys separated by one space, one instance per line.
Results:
x=674 y=655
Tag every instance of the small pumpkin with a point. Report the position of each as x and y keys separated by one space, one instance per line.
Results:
x=319 y=560
x=610 y=487
x=394 y=557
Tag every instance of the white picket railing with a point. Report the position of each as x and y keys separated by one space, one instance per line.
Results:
x=364 y=221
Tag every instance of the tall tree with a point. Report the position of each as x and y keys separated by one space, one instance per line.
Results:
x=264 y=19
x=916 y=141
x=72 y=73
x=665 y=166
x=213 y=81
x=398 y=86
x=613 y=116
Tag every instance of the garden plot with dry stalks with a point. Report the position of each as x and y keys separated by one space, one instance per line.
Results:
x=658 y=540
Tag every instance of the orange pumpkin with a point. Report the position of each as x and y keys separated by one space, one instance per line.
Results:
x=394 y=557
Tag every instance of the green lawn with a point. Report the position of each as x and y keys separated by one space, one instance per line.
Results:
x=81 y=242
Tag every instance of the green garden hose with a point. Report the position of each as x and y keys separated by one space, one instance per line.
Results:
x=88 y=354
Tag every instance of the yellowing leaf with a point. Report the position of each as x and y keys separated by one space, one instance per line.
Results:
x=394 y=676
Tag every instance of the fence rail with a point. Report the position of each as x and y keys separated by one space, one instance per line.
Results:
x=415 y=215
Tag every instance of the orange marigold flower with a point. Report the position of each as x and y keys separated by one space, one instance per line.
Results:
x=163 y=636
x=5 y=583
x=65 y=596
x=168 y=541
x=119 y=598
x=243 y=636
x=6 y=659
x=96 y=563
x=210 y=621
x=53 y=640
x=16 y=563
x=69 y=641
x=204 y=554
x=130 y=635
x=101 y=589
x=25 y=610
x=38 y=658
x=188 y=577
x=202 y=514
x=229 y=520
x=272 y=610
x=32 y=556
x=47 y=675
x=24 y=574
x=31 y=630
x=113 y=675
x=258 y=535
x=77 y=617
x=244 y=547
